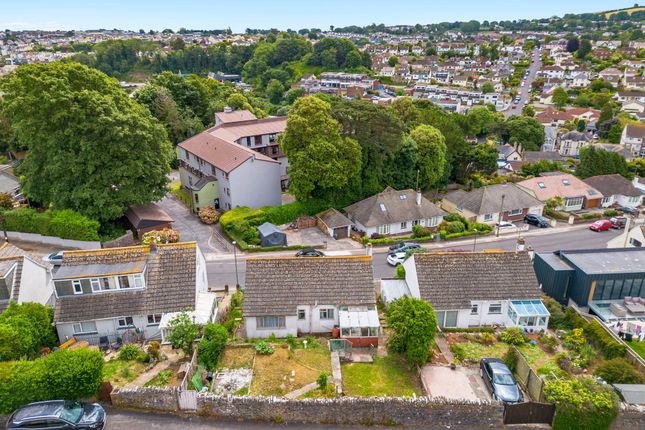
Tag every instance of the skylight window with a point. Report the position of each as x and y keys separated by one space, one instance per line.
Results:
x=541 y=185
x=566 y=182
x=403 y=197
x=382 y=207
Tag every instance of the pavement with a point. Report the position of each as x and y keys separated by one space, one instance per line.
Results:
x=525 y=91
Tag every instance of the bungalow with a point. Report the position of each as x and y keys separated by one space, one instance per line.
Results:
x=129 y=292
x=483 y=204
x=575 y=193
x=616 y=190
x=476 y=288
x=631 y=238
x=23 y=277
x=293 y=296
x=394 y=212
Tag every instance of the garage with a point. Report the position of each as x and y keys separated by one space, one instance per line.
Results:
x=334 y=224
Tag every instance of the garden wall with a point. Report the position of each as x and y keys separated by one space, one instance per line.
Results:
x=341 y=411
x=52 y=240
x=126 y=240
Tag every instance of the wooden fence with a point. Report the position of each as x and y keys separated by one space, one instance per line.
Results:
x=530 y=381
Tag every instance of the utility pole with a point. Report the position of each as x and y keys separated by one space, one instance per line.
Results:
x=475 y=242
x=499 y=217
x=237 y=279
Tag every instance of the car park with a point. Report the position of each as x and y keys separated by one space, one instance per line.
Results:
x=499 y=380
x=600 y=225
x=55 y=258
x=309 y=252
x=536 y=220
x=403 y=247
x=396 y=258
x=618 y=222
x=58 y=415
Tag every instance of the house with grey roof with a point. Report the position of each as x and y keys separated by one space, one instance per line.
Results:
x=23 y=277
x=334 y=224
x=616 y=190
x=569 y=144
x=471 y=289
x=493 y=203
x=129 y=292
x=294 y=296
x=394 y=212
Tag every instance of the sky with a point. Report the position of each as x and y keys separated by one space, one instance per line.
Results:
x=281 y=14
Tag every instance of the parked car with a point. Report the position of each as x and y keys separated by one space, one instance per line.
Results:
x=396 y=258
x=309 y=252
x=58 y=414
x=618 y=222
x=499 y=380
x=55 y=258
x=403 y=247
x=627 y=210
x=600 y=225
x=536 y=220
x=504 y=225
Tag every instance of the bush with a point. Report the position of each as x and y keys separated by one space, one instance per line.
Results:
x=574 y=320
x=166 y=235
x=263 y=348
x=420 y=231
x=608 y=213
x=594 y=215
x=183 y=332
x=64 y=374
x=575 y=340
x=513 y=336
x=66 y=224
x=619 y=371
x=414 y=324
x=322 y=380
x=550 y=342
x=291 y=341
x=154 y=350
x=458 y=351
x=212 y=344
x=130 y=352
x=6 y=201
x=209 y=215
x=557 y=319
x=581 y=404
x=25 y=329
x=376 y=236
x=510 y=358
x=456 y=227
x=400 y=272
x=488 y=338
x=610 y=347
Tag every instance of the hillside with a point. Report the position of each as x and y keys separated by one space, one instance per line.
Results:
x=629 y=10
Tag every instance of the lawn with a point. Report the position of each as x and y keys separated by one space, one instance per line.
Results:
x=285 y=371
x=473 y=351
x=177 y=191
x=387 y=376
x=122 y=372
x=236 y=357
x=543 y=362
x=638 y=347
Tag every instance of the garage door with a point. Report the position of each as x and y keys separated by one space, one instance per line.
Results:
x=340 y=232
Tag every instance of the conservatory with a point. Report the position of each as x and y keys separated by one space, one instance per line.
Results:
x=360 y=326
x=530 y=315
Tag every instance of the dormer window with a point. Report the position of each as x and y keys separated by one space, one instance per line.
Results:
x=78 y=288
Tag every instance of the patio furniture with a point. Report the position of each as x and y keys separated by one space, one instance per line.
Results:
x=618 y=309
x=635 y=308
x=118 y=344
x=104 y=343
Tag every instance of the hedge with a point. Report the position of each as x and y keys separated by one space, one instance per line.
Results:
x=66 y=223
x=64 y=374
x=609 y=346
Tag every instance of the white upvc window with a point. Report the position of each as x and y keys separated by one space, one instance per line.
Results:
x=84 y=327
x=327 y=314
x=78 y=288
x=488 y=217
x=633 y=199
x=474 y=310
x=154 y=319
x=96 y=285
x=125 y=322
x=270 y=322
x=495 y=309
x=383 y=229
x=404 y=225
x=434 y=221
x=515 y=212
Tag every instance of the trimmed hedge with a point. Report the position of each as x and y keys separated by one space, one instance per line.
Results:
x=598 y=336
x=64 y=374
x=482 y=329
x=66 y=223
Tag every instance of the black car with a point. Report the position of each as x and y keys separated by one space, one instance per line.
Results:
x=536 y=220
x=309 y=252
x=499 y=380
x=403 y=247
x=627 y=210
x=58 y=414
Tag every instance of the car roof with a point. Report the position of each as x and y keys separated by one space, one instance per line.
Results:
x=49 y=409
x=499 y=367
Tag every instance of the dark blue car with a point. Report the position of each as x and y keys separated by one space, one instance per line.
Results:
x=499 y=380
x=58 y=415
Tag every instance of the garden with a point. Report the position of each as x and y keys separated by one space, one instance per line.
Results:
x=390 y=375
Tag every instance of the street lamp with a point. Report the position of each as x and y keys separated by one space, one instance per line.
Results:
x=475 y=243
x=237 y=279
x=499 y=216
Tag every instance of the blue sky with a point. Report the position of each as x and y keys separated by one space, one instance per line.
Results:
x=282 y=14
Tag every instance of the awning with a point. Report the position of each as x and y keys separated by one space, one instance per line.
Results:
x=529 y=308
x=353 y=319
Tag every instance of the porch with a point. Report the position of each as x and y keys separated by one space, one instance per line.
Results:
x=360 y=327
x=530 y=315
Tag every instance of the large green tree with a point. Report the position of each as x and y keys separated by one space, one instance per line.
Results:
x=431 y=158
x=595 y=162
x=560 y=97
x=414 y=325
x=524 y=130
x=91 y=148
x=481 y=120
x=321 y=161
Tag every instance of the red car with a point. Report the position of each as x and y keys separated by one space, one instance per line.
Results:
x=600 y=225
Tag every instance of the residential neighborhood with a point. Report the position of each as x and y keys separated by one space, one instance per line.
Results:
x=349 y=216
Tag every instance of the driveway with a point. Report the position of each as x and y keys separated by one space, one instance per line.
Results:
x=461 y=383
x=315 y=237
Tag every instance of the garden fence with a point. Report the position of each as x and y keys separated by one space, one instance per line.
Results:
x=530 y=381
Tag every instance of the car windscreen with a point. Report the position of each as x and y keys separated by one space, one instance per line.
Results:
x=503 y=379
x=72 y=412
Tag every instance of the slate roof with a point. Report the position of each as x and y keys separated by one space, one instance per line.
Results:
x=611 y=185
x=451 y=280
x=399 y=206
x=532 y=156
x=170 y=279
x=575 y=136
x=276 y=286
x=10 y=255
x=486 y=200
x=333 y=219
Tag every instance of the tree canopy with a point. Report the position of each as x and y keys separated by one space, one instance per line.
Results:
x=431 y=158
x=91 y=147
x=595 y=162
x=527 y=131
x=414 y=325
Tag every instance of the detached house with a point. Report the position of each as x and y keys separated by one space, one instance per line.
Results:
x=483 y=204
x=475 y=289
x=23 y=277
x=633 y=137
x=296 y=296
x=615 y=189
x=569 y=144
x=129 y=292
x=575 y=193
x=394 y=212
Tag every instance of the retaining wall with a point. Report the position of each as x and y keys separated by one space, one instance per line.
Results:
x=53 y=240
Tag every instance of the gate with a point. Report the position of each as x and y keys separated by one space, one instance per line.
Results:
x=187 y=400
x=529 y=413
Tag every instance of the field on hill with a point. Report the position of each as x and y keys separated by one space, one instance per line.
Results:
x=629 y=10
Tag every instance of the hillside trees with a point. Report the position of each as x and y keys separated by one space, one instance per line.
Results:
x=431 y=157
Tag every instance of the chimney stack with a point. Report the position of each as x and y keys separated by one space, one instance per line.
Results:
x=418 y=197
x=228 y=109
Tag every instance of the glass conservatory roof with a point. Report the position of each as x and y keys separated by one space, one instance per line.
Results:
x=529 y=308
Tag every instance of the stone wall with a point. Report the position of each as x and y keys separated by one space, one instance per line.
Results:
x=630 y=417
x=344 y=410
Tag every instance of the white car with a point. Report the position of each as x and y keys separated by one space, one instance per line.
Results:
x=396 y=258
x=504 y=225
x=55 y=258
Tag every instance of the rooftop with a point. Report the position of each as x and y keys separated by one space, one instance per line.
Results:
x=611 y=260
x=614 y=184
x=486 y=200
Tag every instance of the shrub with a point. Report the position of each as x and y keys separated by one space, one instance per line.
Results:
x=592 y=215
x=263 y=348
x=209 y=215
x=420 y=231
x=183 y=332
x=66 y=224
x=400 y=272
x=376 y=236
x=574 y=320
x=513 y=336
x=557 y=319
x=154 y=350
x=481 y=228
x=510 y=359
x=610 y=347
x=456 y=227
x=64 y=374
x=550 y=342
x=458 y=351
x=608 y=213
x=575 y=340
x=25 y=329
x=488 y=338
x=291 y=341
x=166 y=235
x=619 y=371
x=322 y=380
x=130 y=352
x=414 y=324
x=6 y=201
x=581 y=404
x=212 y=344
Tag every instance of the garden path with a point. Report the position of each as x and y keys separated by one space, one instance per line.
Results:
x=443 y=346
x=300 y=391
x=140 y=380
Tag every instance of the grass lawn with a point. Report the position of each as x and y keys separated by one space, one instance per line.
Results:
x=161 y=380
x=543 y=362
x=638 y=347
x=473 y=351
x=328 y=393
x=177 y=191
x=237 y=358
x=121 y=372
x=387 y=376
x=285 y=371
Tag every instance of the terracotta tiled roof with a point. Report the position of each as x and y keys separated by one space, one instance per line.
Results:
x=563 y=185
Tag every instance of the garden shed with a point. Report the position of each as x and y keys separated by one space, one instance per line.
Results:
x=148 y=217
x=270 y=235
